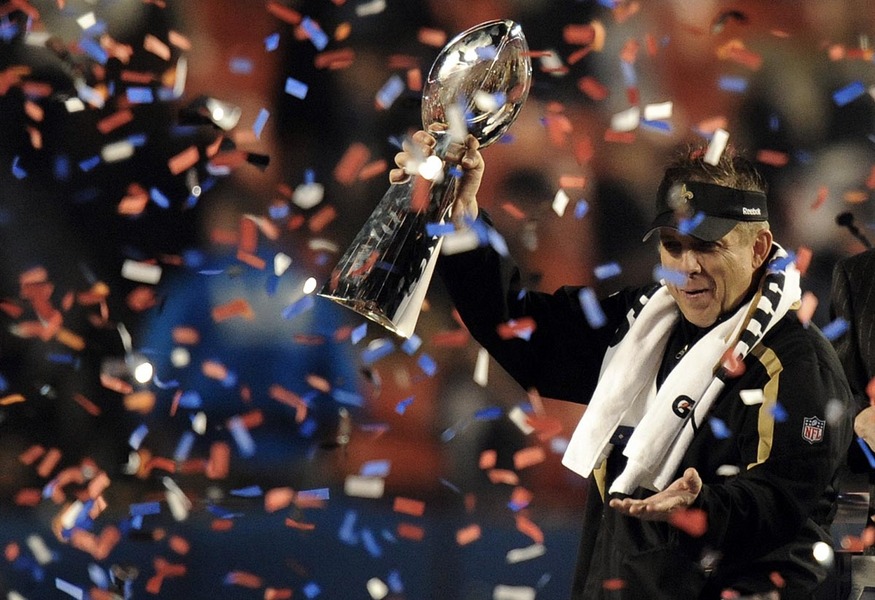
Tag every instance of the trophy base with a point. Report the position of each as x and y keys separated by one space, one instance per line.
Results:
x=368 y=309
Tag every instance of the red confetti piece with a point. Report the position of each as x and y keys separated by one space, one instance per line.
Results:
x=179 y=544
x=243 y=579
x=277 y=593
x=527 y=527
x=468 y=534
x=777 y=580
x=352 y=161
x=140 y=402
x=234 y=308
x=322 y=218
x=431 y=37
x=513 y=210
x=807 y=307
x=11 y=399
x=319 y=383
x=254 y=261
x=692 y=521
x=521 y=497
x=592 y=88
x=528 y=457
x=488 y=459
x=408 y=506
x=622 y=137
x=184 y=160
x=49 y=462
x=523 y=326
x=411 y=532
x=28 y=497
x=572 y=181
x=822 y=195
x=414 y=79
x=334 y=59
x=855 y=196
x=289 y=398
x=299 y=525
x=503 y=476
x=457 y=338
x=115 y=120
x=803 y=259
x=219 y=462
x=773 y=158
x=373 y=169
x=613 y=585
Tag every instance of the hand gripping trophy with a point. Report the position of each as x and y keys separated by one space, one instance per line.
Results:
x=477 y=85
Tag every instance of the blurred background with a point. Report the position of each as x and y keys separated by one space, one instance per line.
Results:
x=182 y=417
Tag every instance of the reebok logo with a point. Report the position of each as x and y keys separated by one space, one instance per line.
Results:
x=751 y=211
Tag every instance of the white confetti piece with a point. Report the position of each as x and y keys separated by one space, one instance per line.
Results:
x=728 y=470
x=626 y=120
x=364 y=487
x=38 y=548
x=459 y=241
x=716 y=146
x=560 y=202
x=481 y=368
x=308 y=195
x=752 y=397
x=518 y=416
x=374 y=7
x=528 y=553
x=658 y=112
x=377 y=589
x=118 y=151
x=87 y=21
x=510 y=592
x=141 y=272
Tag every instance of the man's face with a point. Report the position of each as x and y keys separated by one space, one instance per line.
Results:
x=718 y=274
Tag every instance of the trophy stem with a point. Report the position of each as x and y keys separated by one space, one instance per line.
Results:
x=385 y=271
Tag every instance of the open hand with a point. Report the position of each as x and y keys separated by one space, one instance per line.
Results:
x=679 y=495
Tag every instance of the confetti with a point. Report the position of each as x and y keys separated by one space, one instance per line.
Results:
x=592 y=309
x=296 y=88
x=468 y=535
x=692 y=521
x=849 y=93
x=510 y=592
x=364 y=487
x=835 y=329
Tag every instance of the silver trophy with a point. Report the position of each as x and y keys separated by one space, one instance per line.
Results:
x=478 y=84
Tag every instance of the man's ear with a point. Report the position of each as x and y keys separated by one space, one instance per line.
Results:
x=762 y=246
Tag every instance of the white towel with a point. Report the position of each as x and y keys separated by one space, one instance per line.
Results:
x=629 y=370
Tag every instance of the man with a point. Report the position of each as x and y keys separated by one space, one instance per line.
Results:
x=711 y=462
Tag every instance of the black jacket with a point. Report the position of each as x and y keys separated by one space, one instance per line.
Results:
x=762 y=522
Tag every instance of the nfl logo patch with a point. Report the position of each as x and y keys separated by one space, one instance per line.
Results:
x=812 y=429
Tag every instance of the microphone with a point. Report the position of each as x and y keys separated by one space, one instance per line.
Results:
x=846 y=219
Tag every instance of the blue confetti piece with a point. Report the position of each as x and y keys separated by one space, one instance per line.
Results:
x=446 y=435
x=60 y=358
x=61 y=168
x=308 y=428
x=835 y=329
x=774 y=123
x=377 y=350
x=660 y=126
x=260 y=122
x=271 y=285
x=315 y=33
x=89 y=163
x=488 y=414
x=315 y=494
x=94 y=50
x=278 y=212
x=660 y=273
x=136 y=438
x=611 y=4
x=401 y=407
x=630 y=76
x=8 y=30
x=849 y=93
x=142 y=509
x=427 y=364
x=272 y=42
x=190 y=399
x=346 y=533
x=730 y=83
x=580 y=209
x=252 y=491
x=358 y=333
x=448 y=484
x=156 y=196
x=411 y=345
x=296 y=88
x=592 y=309
x=69 y=589
x=497 y=242
x=390 y=91
x=439 y=229
x=99 y=577
x=298 y=307
x=312 y=589
x=686 y=226
x=347 y=397
x=394 y=581
x=240 y=65
x=242 y=437
x=486 y=52
x=183 y=448
x=779 y=412
x=370 y=543
x=140 y=95
x=4 y=383
x=867 y=451
x=221 y=512
x=719 y=428
x=607 y=270
x=375 y=468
